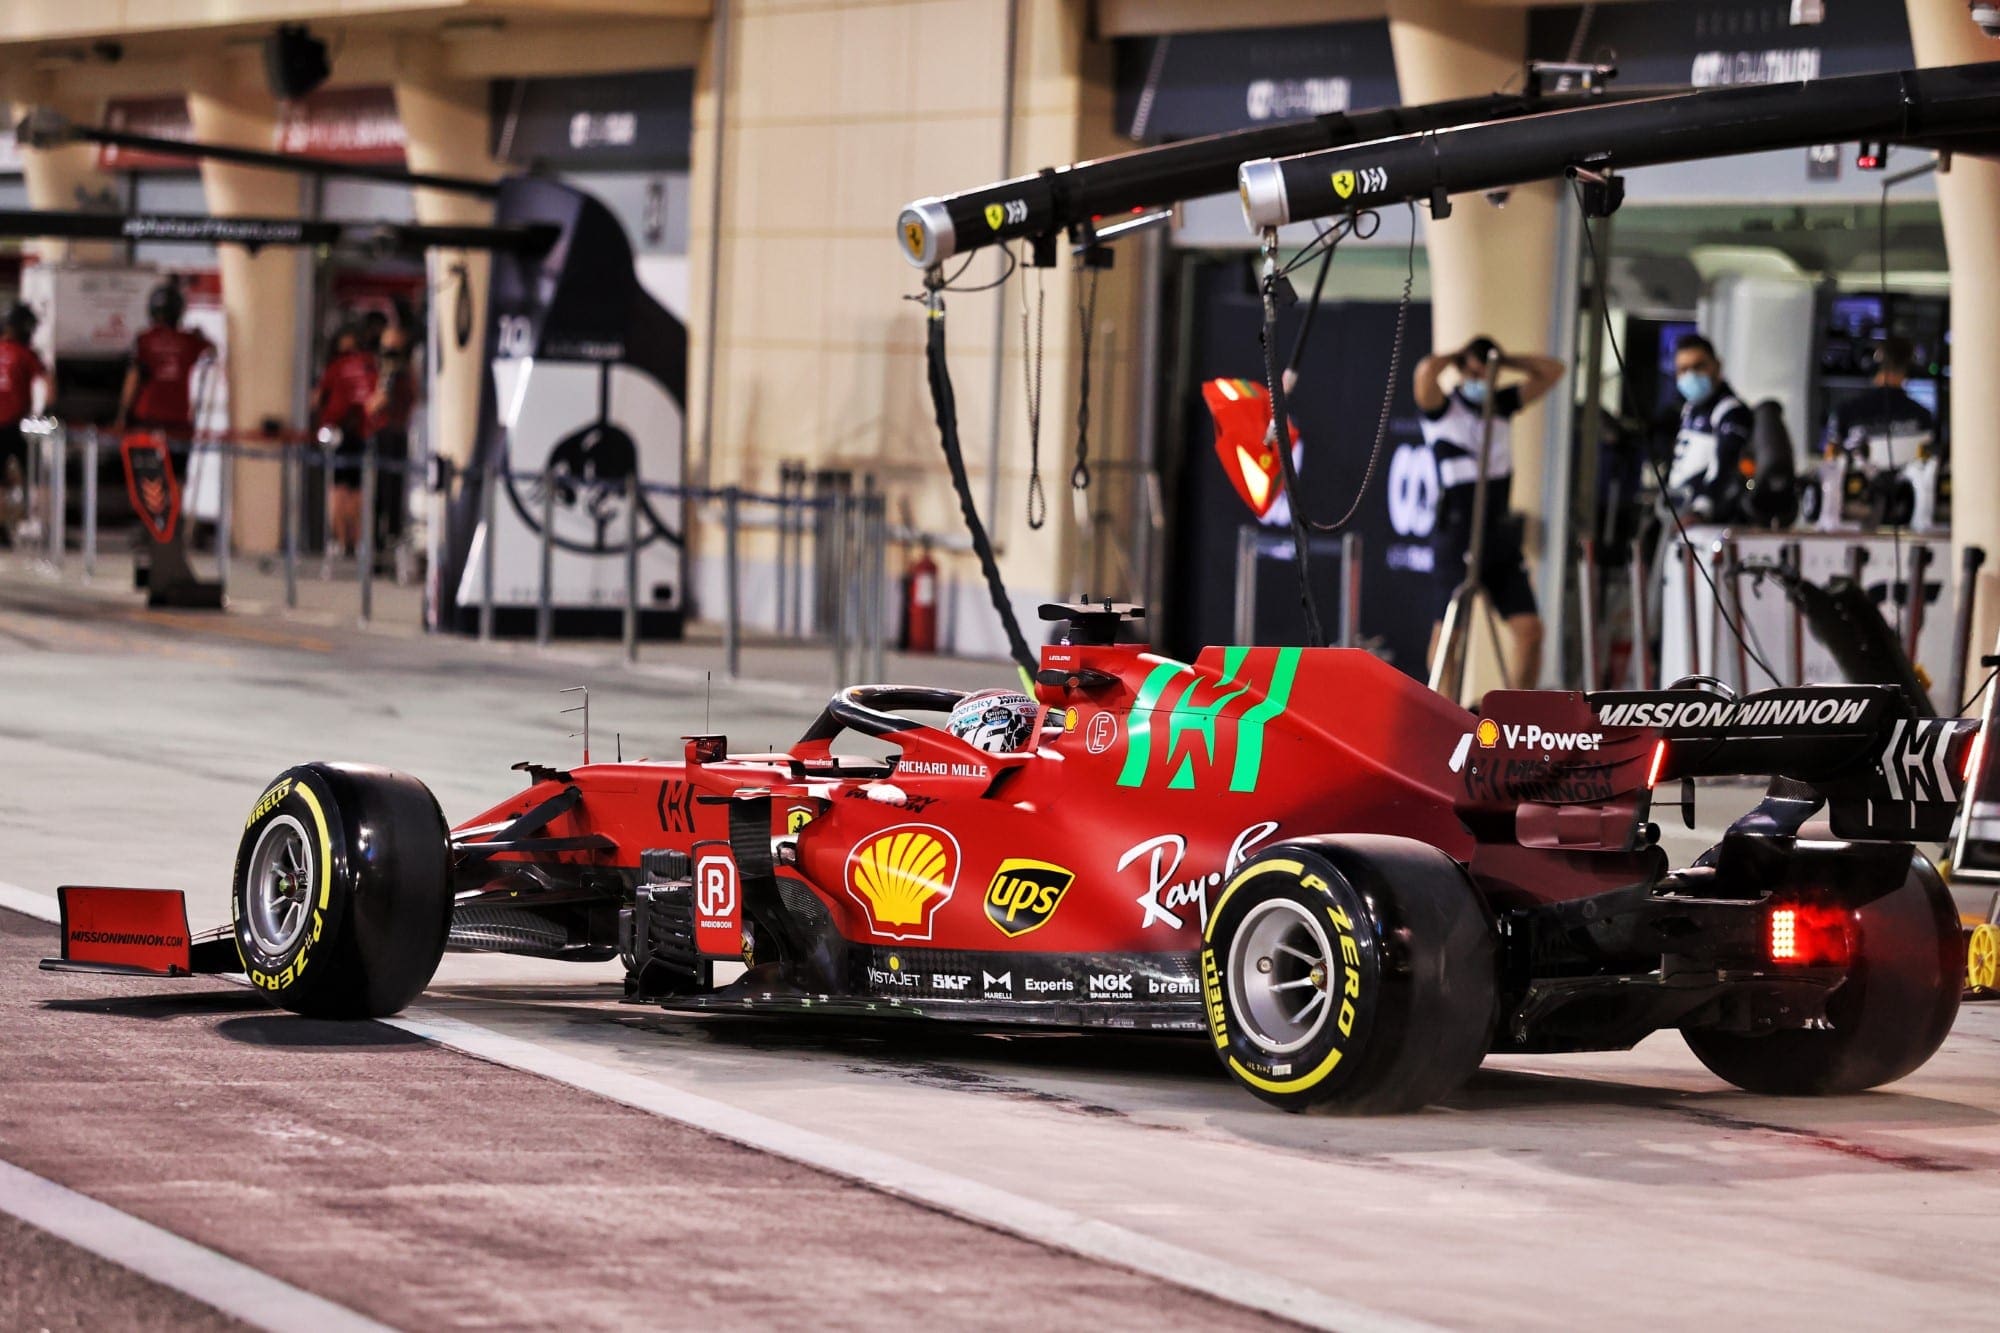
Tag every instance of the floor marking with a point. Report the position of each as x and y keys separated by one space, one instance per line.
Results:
x=985 y=1204
x=236 y=1289
x=41 y=906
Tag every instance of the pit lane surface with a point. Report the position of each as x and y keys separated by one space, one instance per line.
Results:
x=1553 y=1190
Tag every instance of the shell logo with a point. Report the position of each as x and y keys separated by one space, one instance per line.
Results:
x=901 y=876
x=1488 y=733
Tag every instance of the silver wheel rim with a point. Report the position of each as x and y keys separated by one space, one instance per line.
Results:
x=280 y=886
x=1282 y=975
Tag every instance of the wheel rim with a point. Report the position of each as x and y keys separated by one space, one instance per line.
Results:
x=280 y=886
x=1282 y=974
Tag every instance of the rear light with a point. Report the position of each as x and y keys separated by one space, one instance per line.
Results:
x=1808 y=936
x=1659 y=762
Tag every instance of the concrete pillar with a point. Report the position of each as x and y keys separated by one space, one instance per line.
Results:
x=445 y=121
x=62 y=178
x=1493 y=269
x=227 y=103
x=1969 y=198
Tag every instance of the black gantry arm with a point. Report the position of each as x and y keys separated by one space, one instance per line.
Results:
x=1951 y=107
x=1059 y=198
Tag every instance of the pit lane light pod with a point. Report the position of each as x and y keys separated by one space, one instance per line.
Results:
x=927 y=233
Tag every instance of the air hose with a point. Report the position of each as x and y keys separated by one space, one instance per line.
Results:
x=945 y=402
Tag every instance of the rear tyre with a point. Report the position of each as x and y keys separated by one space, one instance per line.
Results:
x=1884 y=1021
x=342 y=891
x=1350 y=974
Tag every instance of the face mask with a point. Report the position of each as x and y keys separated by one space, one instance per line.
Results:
x=1694 y=385
x=1474 y=391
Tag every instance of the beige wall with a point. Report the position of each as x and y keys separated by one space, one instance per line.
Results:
x=1969 y=196
x=836 y=115
x=227 y=104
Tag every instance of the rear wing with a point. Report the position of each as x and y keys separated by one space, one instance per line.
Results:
x=1883 y=772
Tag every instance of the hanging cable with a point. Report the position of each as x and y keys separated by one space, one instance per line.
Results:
x=1031 y=374
x=1079 y=476
x=945 y=403
x=1281 y=439
x=1598 y=275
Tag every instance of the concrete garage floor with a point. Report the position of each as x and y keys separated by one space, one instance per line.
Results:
x=1553 y=1190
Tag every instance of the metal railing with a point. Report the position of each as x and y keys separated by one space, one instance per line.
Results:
x=828 y=537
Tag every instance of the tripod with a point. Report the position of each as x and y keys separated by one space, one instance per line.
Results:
x=1447 y=673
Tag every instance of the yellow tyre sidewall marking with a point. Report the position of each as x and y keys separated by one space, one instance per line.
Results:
x=1211 y=983
x=324 y=871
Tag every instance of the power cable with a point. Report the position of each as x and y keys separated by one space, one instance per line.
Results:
x=1659 y=474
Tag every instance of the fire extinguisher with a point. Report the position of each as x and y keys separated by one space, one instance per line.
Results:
x=920 y=603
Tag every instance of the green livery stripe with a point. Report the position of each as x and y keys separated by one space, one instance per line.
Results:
x=1188 y=716
x=1139 y=722
x=1250 y=731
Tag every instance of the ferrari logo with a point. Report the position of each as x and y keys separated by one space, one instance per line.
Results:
x=797 y=818
x=913 y=236
x=901 y=876
x=995 y=215
x=1343 y=184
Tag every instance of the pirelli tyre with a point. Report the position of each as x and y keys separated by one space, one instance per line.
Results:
x=1351 y=974
x=1889 y=1016
x=342 y=890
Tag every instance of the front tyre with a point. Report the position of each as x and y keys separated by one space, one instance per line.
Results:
x=1354 y=974
x=1890 y=1015
x=342 y=890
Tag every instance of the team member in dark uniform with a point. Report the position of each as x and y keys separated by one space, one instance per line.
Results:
x=19 y=369
x=1883 y=423
x=1707 y=480
x=1453 y=422
x=157 y=392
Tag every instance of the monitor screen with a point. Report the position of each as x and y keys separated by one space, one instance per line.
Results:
x=1924 y=391
x=1857 y=317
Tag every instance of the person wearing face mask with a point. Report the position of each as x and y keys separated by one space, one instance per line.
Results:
x=1706 y=482
x=1453 y=422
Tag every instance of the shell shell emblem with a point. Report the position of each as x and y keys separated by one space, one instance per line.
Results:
x=1488 y=733
x=901 y=876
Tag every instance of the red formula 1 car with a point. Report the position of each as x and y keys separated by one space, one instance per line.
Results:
x=1353 y=888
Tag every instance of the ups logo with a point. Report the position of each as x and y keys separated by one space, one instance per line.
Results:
x=1025 y=894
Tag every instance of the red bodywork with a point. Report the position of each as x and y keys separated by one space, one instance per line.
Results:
x=1154 y=779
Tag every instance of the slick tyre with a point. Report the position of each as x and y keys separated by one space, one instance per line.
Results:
x=342 y=890
x=1890 y=1015
x=1349 y=974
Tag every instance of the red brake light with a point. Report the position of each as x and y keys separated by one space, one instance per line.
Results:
x=1807 y=935
x=1659 y=762
x=1784 y=934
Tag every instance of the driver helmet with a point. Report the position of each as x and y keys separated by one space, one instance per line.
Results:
x=996 y=721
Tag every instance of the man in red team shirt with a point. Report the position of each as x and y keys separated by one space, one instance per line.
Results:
x=19 y=369
x=164 y=358
x=341 y=405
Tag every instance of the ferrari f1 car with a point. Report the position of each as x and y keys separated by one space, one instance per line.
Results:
x=1351 y=888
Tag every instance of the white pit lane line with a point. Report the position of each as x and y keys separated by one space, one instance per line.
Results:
x=983 y=1204
x=216 y=1280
